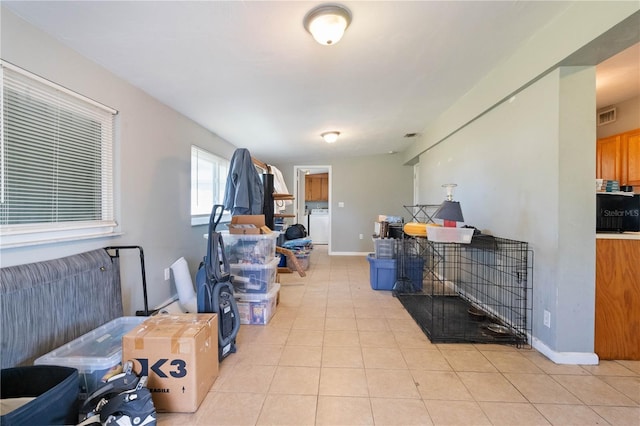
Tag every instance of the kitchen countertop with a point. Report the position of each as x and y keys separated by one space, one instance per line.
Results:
x=618 y=236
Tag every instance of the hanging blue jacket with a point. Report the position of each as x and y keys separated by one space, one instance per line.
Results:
x=244 y=192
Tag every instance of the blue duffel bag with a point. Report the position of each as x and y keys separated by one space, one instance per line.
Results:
x=54 y=390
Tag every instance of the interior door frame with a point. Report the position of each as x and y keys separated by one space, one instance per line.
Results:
x=299 y=192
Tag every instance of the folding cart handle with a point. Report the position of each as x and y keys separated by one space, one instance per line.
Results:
x=117 y=249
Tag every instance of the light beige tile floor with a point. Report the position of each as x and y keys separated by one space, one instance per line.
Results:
x=339 y=353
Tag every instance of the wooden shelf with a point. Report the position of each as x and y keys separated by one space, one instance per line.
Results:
x=278 y=197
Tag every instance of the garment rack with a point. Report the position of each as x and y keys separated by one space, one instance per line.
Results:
x=269 y=198
x=267 y=182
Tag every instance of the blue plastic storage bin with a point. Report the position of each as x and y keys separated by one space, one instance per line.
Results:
x=383 y=272
x=413 y=269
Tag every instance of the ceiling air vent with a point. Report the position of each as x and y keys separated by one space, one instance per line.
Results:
x=606 y=116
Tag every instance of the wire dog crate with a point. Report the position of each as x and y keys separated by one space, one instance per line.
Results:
x=479 y=292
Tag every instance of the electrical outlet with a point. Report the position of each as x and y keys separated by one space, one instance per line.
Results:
x=167 y=274
x=547 y=318
x=361 y=236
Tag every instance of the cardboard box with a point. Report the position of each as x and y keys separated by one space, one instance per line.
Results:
x=179 y=353
x=248 y=224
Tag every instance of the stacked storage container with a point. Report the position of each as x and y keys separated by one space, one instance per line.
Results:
x=382 y=264
x=387 y=263
x=301 y=248
x=254 y=266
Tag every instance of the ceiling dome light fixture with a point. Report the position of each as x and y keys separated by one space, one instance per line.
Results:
x=327 y=23
x=330 y=137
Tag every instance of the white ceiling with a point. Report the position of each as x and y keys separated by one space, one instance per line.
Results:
x=249 y=72
x=618 y=78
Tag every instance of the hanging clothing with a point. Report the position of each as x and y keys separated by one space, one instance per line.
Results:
x=279 y=187
x=244 y=193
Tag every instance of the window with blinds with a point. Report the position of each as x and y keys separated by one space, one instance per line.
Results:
x=56 y=162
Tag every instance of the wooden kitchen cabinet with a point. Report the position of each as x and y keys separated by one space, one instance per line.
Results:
x=308 y=188
x=630 y=158
x=324 y=187
x=618 y=158
x=608 y=158
x=317 y=187
x=617 y=316
x=314 y=189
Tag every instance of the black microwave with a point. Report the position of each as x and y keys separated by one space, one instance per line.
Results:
x=617 y=213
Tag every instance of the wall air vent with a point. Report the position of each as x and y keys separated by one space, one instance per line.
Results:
x=606 y=116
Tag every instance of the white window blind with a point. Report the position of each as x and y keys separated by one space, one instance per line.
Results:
x=208 y=182
x=56 y=162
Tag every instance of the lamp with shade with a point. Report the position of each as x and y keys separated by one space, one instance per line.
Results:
x=449 y=211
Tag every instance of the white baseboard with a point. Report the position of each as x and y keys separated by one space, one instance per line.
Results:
x=573 y=358
x=348 y=253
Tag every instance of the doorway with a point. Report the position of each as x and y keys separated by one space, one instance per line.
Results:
x=312 y=189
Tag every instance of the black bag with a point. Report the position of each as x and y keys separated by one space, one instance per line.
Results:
x=295 y=231
x=215 y=290
x=123 y=400
x=55 y=389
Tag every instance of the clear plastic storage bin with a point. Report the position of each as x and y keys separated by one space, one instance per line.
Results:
x=254 y=278
x=303 y=260
x=258 y=308
x=93 y=354
x=385 y=248
x=250 y=248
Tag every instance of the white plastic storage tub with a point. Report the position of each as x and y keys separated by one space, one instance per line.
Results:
x=441 y=234
x=258 y=308
x=250 y=248
x=254 y=278
x=94 y=354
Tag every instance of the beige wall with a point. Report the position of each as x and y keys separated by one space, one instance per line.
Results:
x=368 y=186
x=153 y=156
x=627 y=118
x=525 y=164
x=585 y=34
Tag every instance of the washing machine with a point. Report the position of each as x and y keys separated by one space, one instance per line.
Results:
x=318 y=226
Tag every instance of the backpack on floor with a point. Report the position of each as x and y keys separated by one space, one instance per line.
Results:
x=295 y=231
x=215 y=289
x=123 y=400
